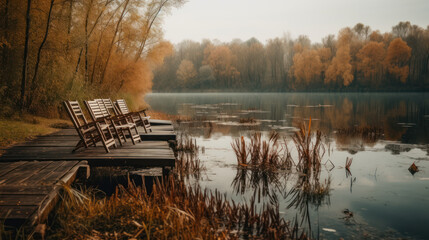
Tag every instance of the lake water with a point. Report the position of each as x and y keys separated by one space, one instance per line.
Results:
x=384 y=133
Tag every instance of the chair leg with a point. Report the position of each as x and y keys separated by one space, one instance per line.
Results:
x=118 y=135
x=131 y=136
x=78 y=145
x=138 y=134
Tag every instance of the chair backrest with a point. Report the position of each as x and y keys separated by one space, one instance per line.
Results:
x=122 y=106
x=95 y=110
x=108 y=104
x=75 y=113
x=103 y=108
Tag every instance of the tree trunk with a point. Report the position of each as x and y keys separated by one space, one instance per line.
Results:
x=99 y=44
x=87 y=36
x=146 y=36
x=6 y=37
x=36 y=68
x=69 y=24
x=25 y=57
x=109 y=52
x=87 y=39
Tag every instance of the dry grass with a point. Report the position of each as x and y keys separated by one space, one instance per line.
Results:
x=266 y=154
x=348 y=163
x=258 y=153
x=188 y=164
x=172 y=211
x=23 y=128
x=186 y=143
x=310 y=150
x=187 y=161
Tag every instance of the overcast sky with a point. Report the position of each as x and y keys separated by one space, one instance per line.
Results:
x=229 y=19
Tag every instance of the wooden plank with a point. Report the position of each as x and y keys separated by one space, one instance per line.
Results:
x=60 y=153
x=158 y=137
x=17 y=212
x=21 y=189
x=54 y=143
x=160 y=122
x=158 y=128
x=48 y=204
x=23 y=172
x=40 y=177
x=133 y=162
x=21 y=200
x=6 y=167
x=59 y=172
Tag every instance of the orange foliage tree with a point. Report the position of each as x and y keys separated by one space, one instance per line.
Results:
x=307 y=66
x=186 y=72
x=398 y=55
x=371 y=63
x=76 y=49
x=221 y=60
x=340 y=68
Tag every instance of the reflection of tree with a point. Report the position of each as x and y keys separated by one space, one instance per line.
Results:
x=264 y=183
x=307 y=191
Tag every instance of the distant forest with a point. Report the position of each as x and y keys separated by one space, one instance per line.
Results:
x=357 y=59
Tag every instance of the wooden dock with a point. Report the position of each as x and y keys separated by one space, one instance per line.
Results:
x=30 y=189
x=58 y=147
x=32 y=173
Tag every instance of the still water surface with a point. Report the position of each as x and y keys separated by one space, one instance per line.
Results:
x=385 y=199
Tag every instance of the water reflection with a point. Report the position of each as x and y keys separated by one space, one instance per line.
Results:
x=309 y=191
x=394 y=117
x=263 y=183
x=383 y=133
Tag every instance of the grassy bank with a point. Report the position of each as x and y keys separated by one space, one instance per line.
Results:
x=26 y=127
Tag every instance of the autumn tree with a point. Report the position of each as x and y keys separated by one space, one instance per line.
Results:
x=73 y=49
x=276 y=55
x=255 y=62
x=340 y=69
x=186 y=72
x=355 y=60
x=371 y=63
x=307 y=66
x=398 y=55
x=221 y=60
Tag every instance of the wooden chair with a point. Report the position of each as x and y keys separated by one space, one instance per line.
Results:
x=111 y=110
x=89 y=132
x=138 y=119
x=119 y=126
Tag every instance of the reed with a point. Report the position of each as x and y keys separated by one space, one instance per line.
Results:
x=186 y=143
x=240 y=150
x=310 y=148
x=189 y=164
x=348 y=163
x=258 y=153
x=172 y=211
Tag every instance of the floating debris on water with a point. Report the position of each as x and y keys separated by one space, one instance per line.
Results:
x=413 y=169
x=348 y=214
x=230 y=123
x=254 y=111
x=329 y=230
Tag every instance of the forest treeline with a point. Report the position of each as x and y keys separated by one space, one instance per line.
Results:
x=356 y=59
x=52 y=50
